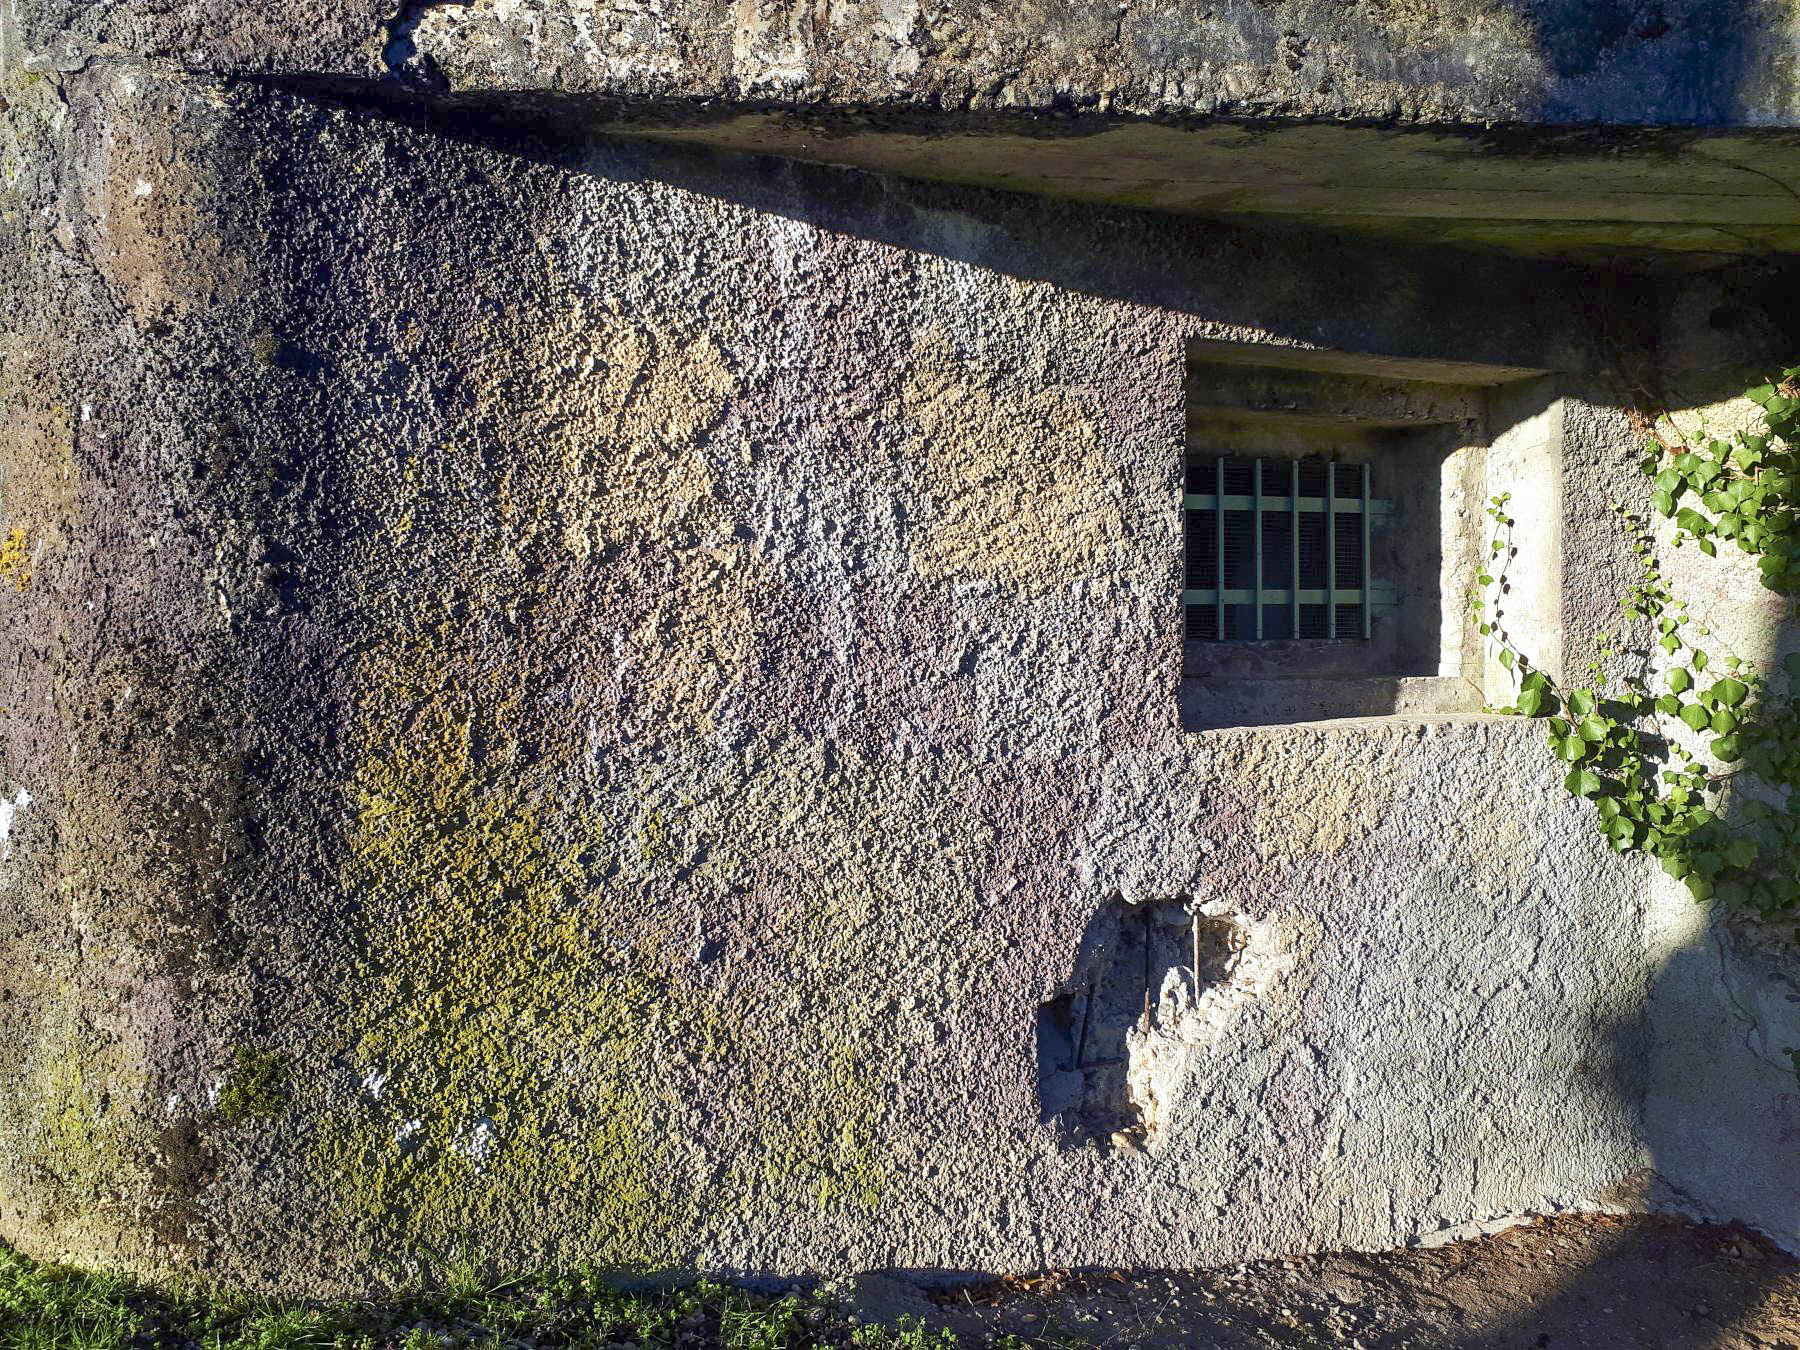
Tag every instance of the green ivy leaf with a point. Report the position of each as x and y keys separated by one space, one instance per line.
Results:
x=1741 y=852
x=1680 y=681
x=1728 y=691
x=1583 y=783
x=1726 y=748
x=1724 y=721
x=1581 y=702
x=1695 y=716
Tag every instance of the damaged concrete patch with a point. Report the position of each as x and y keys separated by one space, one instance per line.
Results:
x=1154 y=983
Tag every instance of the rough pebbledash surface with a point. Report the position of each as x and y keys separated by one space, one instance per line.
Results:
x=578 y=699
x=1630 y=62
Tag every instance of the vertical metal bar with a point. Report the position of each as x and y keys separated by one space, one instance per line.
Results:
x=1294 y=549
x=1367 y=587
x=1330 y=548
x=1256 y=529
x=1219 y=542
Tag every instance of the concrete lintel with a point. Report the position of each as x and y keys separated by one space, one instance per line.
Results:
x=1362 y=365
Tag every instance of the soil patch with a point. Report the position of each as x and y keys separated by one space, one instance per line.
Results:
x=1588 y=1282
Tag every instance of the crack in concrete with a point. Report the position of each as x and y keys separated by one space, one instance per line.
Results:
x=1731 y=994
x=1756 y=1037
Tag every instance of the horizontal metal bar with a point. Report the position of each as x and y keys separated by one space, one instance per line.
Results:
x=1274 y=595
x=1347 y=506
x=1379 y=596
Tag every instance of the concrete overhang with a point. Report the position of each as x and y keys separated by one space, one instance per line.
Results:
x=1644 y=198
x=1651 y=197
x=1651 y=134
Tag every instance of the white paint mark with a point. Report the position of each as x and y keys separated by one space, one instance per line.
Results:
x=142 y=188
x=373 y=1081
x=172 y=1104
x=408 y=1130
x=478 y=1140
x=7 y=811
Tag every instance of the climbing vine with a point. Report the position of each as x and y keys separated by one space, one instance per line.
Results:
x=1687 y=751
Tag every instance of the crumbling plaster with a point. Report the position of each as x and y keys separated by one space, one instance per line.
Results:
x=552 y=650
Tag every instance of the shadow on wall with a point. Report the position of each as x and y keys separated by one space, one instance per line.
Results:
x=1310 y=285
x=1719 y=1042
x=1692 y=61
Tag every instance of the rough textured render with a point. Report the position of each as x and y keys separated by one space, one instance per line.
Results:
x=590 y=700
x=1671 y=62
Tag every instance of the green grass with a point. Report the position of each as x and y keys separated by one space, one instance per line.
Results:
x=45 y=1307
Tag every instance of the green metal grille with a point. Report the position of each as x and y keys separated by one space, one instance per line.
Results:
x=1279 y=549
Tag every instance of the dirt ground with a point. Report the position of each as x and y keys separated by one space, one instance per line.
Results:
x=1586 y=1282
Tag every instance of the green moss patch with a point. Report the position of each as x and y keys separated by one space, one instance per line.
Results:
x=256 y=1087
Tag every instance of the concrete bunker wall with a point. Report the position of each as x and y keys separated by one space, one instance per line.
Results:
x=580 y=710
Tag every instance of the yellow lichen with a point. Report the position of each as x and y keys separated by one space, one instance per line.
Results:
x=626 y=411
x=15 y=565
x=528 y=1019
x=492 y=1005
x=77 y=1139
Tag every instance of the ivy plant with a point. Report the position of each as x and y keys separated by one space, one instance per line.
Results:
x=1693 y=755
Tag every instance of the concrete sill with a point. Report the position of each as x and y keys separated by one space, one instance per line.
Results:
x=1217 y=702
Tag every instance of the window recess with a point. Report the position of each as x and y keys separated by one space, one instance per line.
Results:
x=1282 y=549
